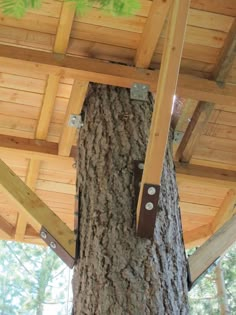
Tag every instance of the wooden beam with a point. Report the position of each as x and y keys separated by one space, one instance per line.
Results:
x=193 y=132
x=31 y=179
x=212 y=249
x=29 y=148
x=64 y=27
x=88 y=69
x=78 y=94
x=30 y=204
x=227 y=55
x=151 y=32
x=47 y=107
x=206 y=172
x=6 y=227
x=196 y=236
x=226 y=211
x=161 y=116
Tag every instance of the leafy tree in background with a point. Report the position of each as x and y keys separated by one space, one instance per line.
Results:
x=18 y=8
x=31 y=277
x=203 y=297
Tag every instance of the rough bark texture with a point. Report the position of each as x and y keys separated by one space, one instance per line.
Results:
x=119 y=273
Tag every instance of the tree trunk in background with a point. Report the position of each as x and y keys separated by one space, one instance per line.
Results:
x=119 y=273
x=221 y=293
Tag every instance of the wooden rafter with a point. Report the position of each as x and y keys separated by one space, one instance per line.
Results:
x=226 y=211
x=47 y=107
x=212 y=249
x=193 y=132
x=29 y=148
x=162 y=113
x=97 y=71
x=6 y=227
x=202 y=113
x=35 y=209
x=75 y=105
x=149 y=39
x=31 y=179
x=64 y=27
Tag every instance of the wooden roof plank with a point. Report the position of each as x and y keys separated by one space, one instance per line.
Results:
x=151 y=32
x=193 y=237
x=162 y=108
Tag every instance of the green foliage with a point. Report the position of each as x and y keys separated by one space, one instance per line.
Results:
x=32 y=279
x=203 y=297
x=18 y=8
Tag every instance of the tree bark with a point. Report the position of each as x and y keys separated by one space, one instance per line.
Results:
x=117 y=272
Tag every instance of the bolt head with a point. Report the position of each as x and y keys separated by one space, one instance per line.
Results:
x=43 y=235
x=141 y=166
x=149 y=206
x=151 y=191
x=53 y=245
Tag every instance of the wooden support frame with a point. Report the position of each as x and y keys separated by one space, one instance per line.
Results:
x=88 y=69
x=226 y=211
x=64 y=27
x=31 y=179
x=78 y=94
x=161 y=118
x=29 y=148
x=193 y=132
x=38 y=212
x=212 y=249
x=197 y=236
x=47 y=107
x=149 y=39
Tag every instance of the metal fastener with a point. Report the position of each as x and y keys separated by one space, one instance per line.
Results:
x=141 y=166
x=149 y=206
x=43 y=235
x=53 y=245
x=151 y=191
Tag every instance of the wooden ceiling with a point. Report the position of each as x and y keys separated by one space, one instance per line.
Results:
x=48 y=58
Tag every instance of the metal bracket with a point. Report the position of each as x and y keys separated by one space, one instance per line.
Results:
x=178 y=136
x=56 y=247
x=149 y=203
x=75 y=121
x=139 y=91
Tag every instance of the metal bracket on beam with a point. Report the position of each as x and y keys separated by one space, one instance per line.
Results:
x=75 y=121
x=149 y=204
x=56 y=247
x=139 y=91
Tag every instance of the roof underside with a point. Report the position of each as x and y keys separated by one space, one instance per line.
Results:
x=26 y=90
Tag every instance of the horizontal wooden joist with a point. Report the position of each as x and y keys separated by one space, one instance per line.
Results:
x=89 y=69
x=205 y=172
x=29 y=148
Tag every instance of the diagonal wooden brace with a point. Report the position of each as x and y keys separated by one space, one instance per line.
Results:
x=38 y=213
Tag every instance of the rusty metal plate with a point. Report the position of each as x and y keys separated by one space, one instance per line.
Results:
x=56 y=247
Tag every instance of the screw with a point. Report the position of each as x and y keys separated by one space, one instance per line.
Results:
x=53 y=245
x=141 y=166
x=43 y=235
x=149 y=206
x=151 y=191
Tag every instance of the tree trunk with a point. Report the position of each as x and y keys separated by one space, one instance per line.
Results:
x=118 y=272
